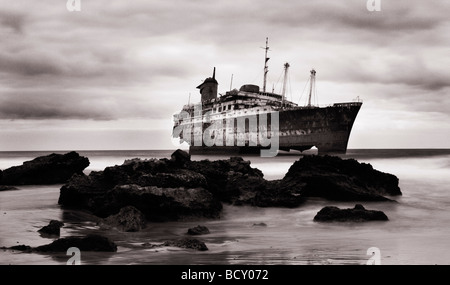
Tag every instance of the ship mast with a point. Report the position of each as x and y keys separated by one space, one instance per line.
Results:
x=286 y=68
x=231 y=82
x=311 y=86
x=266 y=68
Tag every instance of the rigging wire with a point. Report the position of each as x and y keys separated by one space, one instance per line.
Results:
x=278 y=81
x=290 y=88
x=257 y=76
x=301 y=94
x=316 y=98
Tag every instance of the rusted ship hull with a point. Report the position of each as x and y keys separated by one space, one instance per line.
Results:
x=327 y=128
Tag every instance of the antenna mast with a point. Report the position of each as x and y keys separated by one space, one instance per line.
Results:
x=312 y=83
x=266 y=68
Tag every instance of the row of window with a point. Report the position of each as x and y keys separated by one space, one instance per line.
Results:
x=232 y=107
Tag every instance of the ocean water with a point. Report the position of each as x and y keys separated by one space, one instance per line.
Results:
x=417 y=232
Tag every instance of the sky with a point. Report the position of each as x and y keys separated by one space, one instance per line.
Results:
x=111 y=75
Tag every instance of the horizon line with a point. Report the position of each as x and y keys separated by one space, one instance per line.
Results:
x=175 y=148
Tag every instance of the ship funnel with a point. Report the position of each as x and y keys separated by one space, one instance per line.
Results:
x=208 y=89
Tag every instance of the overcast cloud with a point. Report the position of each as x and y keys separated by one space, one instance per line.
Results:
x=129 y=65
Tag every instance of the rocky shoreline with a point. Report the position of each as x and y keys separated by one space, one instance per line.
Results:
x=125 y=197
x=178 y=188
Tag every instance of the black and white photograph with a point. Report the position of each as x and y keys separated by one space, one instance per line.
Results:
x=224 y=133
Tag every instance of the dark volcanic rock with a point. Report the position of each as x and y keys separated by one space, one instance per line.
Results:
x=240 y=189
x=280 y=194
x=53 y=228
x=182 y=177
x=334 y=178
x=218 y=173
x=357 y=214
x=327 y=177
x=187 y=243
x=21 y=247
x=180 y=157
x=91 y=242
x=6 y=187
x=198 y=230
x=161 y=189
x=104 y=195
x=50 y=169
x=129 y=219
x=178 y=188
x=161 y=204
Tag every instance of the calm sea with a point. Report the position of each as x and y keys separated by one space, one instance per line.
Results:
x=417 y=232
